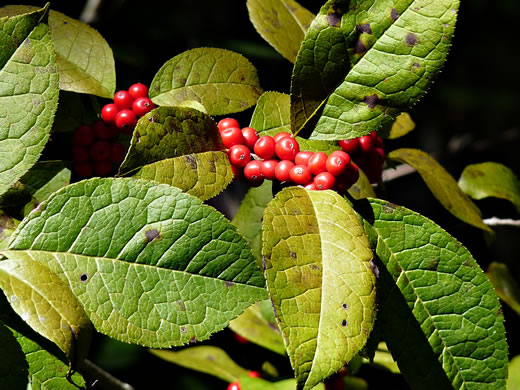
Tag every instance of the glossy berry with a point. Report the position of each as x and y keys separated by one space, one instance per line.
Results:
x=336 y=165
x=104 y=130
x=126 y=120
x=122 y=99
x=250 y=136
x=253 y=172
x=239 y=155
x=342 y=154
x=84 y=136
x=142 y=106
x=378 y=142
x=365 y=143
x=350 y=146
x=232 y=136
x=279 y=136
x=138 y=90
x=282 y=171
x=265 y=147
x=227 y=122
x=310 y=186
x=80 y=153
x=317 y=163
x=100 y=150
x=83 y=169
x=324 y=181
x=102 y=168
x=109 y=112
x=268 y=169
x=302 y=158
x=347 y=179
x=300 y=174
x=287 y=148
x=240 y=339
x=234 y=386
x=117 y=152
x=254 y=374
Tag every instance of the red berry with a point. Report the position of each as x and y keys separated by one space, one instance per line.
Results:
x=250 y=136
x=239 y=155
x=122 y=99
x=117 y=152
x=232 y=136
x=126 y=120
x=378 y=142
x=227 y=122
x=254 y=374
x=324 y=181
x=336 y=165
x=240 y=339
x=84 y=136
x=348 y=178
x=253 y=172
x=349 y=146
x=234 y=386
x=379 y=154
x=142 y=106
x=302 y=158
x=237 y=172
x=282 y=171
x=300 y=174
x=342 y=154
x=310 y=186
x=109 y=112
x=79 y=153
x=83 y=169
x=317 y=163
x=104 y=131
x=286 y=148
x=279 y=136
x=265 y=147
x=100 y=150
x=138 y=90
x=102 y=168
x=365 y=143
x=268 y=168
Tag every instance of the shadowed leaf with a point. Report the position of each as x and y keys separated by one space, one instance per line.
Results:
x=505 y=285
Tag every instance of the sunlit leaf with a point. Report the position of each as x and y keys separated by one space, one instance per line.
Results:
x=7 y=228
x=513 y=380
x=506 y=287
x=362 y=188
x=402 y=125
x=442 y=185
x=317 y=265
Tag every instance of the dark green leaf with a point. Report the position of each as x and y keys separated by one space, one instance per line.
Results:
x=505 y=285
x=150 y=265
x=222 y=81
x=442 y=185
x=363 y=62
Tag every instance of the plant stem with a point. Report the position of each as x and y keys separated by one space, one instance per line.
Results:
x=99 y=379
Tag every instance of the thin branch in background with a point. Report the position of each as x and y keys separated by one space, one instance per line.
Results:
x=397 y=172
x=100 y=379
x=90 y=11
x=494 y=221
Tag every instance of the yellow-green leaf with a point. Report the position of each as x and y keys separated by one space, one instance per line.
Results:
x=505 y=285
x=402 y=125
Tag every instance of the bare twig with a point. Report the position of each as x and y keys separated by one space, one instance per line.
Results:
x=99 y=379
x=397 y=172
x=494 y=221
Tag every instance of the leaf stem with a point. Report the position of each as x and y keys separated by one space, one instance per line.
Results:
x=99 y=379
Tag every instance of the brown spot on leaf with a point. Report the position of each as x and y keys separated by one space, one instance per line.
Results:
x=411 y=39
x=374 y=268
x=264 y=265
x=181 y=305
x=371 y=101
x=211 y=358
x=212 y=166
x=344 y=323
x=293 y=255
x=364 y=28
x=151 y=235
x=432 y=264
x=334 y=19
x=393 y=14
x=344 y=306
x=314 y=267
x=193 y=340
x=183 y=329
x=415 y=66
x=359 y=47
x=229 y=284
x=83 y=277
x=191 y=161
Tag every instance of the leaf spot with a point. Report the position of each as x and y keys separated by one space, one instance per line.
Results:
x=344 y=323
x=364 y=28
x=415 y=66
x=359 y=47
x=293 y=255
x=374 y=268
x=83 y=277
x=183 y=329
x=344 y=306
x=411 y=39
x=181 y=305
x=191 y=161
x=394 y=15
x=371 y=101
x=334 y=19
x=193 y=340
x=229 y=284
x=151 y=235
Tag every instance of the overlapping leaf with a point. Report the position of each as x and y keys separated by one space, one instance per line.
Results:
x=7 y=227
x=363 y=62
x=203 y=175
x=28 y=101
x=442 y=185
x=150 y=265
x=454 y=331
x=168 y=132
x=282 y=23
x=505 y=285
x=402 y=125
x=319 y=277
x=222 y=81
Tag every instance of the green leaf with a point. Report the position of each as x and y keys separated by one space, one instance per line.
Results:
x=491 y=179
x=46 y=303
x=317 y=266
x=7 y=227
x=513 y=380
x=384 y=358
x=258 y=325
x=362 y=188
x=28 y=101
x=363 y=62
x=150 y=265
x=442 y=185
x=505 y=285
x=224 y=82
x=168 y=132
x=455 y=336
x=248 y=218
x=205 y=358
x=401 y=126
x=282 y=23
x=14 y=369
x=203 y=175
x=247 y=383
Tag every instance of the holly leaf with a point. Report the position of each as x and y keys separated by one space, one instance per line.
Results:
x=491 y=179
x=28 y=101
x=505 y=285
x=317 y=266
x=222 y=81
x=205 y=358
x=282 y=23
x=168 y=132
x=442 y=185
x=362 y=63
x=46 y=303
x=150 y=264
x=431 y=286
x=203 y=175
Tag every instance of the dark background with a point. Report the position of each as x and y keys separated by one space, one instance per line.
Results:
x=469 y=116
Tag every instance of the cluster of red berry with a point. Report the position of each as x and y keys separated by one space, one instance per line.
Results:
x=368 y=152
x=128 y=106
x=236 y=385
x=95 y=149
x=279 y=157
